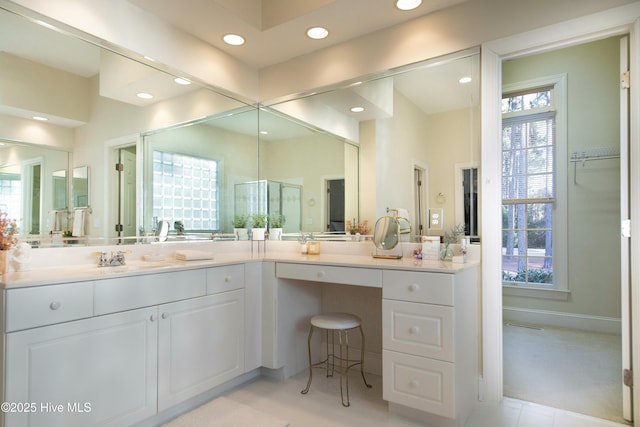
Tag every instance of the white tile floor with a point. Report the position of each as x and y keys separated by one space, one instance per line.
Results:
x=322 y=408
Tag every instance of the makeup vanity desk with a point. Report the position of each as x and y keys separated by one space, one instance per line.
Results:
x=255 y=307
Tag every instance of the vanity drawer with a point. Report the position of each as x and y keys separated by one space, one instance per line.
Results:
x=46 y=305
x=227 y=278
x=432 y=288
x=330 y=274
x=419 y=382
x=126 y=293
x=418 y=329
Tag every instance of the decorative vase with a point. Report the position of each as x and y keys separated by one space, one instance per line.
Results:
x=258 y=233
x=241 y=233
x=275 y=234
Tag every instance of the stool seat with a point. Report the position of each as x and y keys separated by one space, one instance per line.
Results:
x=336 y=321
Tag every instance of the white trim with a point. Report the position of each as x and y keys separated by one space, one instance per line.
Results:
x=582 y=322
x=531 y=292
x=618 y=20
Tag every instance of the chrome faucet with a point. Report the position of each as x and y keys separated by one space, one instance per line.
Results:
x=116 y=259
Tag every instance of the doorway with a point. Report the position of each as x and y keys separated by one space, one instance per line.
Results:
x=127 y=191
x=568 y=321
x=335 y=205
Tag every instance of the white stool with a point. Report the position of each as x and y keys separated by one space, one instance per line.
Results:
x=340 y=324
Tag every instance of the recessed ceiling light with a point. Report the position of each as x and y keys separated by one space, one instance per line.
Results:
x=465 y=79
x=264 y=132
x=317 y=33
x=181 y=81
x=144 y=95
x=40 y=118
x=408 y=4
x=233 y=39
x=357 y=109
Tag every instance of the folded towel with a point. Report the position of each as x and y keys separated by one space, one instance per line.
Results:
x=192 y=255
x=78 y=223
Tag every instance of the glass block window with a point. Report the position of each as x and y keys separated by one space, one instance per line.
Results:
x=186 y=189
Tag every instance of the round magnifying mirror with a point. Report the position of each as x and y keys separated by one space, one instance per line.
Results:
x=385 y=233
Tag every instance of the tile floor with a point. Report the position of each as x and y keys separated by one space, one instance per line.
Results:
x=322 y=408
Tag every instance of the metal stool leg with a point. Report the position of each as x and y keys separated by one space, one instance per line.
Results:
x=306 y=390
x=362 y=358
x=344 y=370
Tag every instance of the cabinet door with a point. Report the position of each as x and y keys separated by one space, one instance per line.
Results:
x=201 y=345
x=98 y=371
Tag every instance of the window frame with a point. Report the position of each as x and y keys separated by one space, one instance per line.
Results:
x=559 y=290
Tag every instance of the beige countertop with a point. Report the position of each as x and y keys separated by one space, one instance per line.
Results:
x=48 y=275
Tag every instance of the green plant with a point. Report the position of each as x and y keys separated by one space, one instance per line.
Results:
x=240 y=221
x=277 y=220
x=259 y=220
x=67 y=233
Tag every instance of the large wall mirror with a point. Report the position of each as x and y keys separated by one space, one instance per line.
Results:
x=320 y=164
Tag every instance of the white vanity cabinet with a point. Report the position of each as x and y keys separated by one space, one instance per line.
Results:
x=108 y=363
x=430 y=354
x=116 y=351
x=201 y=341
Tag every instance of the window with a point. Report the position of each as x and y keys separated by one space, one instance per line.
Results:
x=11 y=194
x=529 y=182
x=186 y=189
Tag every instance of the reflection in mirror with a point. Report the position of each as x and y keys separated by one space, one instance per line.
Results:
x=413 y=129
x=88 y=95
x=314 y=174
x=80 y=187
x=386 y=238
x=28 y=186
x=191 y=172
x=60 y=185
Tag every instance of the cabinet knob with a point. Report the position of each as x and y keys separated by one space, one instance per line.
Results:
x=321 y=274
x=165 y=315
x=227 y=279
x=55 y=305
x=152 y=318
x=414 y=330
x=414 y=287
x=414 y=383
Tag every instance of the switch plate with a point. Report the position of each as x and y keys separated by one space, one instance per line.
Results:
x=436 y=219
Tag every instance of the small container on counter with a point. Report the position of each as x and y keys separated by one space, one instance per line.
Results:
x=313 y=248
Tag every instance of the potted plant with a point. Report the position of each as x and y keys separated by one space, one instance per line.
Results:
x=259 y=226
x=276 y=222
x=240 y=227
x=451 y=239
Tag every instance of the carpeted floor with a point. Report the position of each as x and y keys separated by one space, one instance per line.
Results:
x=573 y=370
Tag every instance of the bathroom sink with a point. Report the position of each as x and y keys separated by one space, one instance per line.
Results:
x=135 y=267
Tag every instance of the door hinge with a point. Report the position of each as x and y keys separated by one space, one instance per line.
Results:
x=119 y=227
x=625 y=228
x=120 y=167
x=625 y=80
x=628 y=377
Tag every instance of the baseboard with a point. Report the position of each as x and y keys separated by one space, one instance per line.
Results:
x=607 y=325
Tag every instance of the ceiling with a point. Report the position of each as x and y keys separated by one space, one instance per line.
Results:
x=275 y=30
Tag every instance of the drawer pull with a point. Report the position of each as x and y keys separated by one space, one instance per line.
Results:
x=414 y=384
x=152 y=318
x=413 y=287
x=227 y=279
x=165 y=315
x=321 y=274
x=414 y=330
x=55 y=305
